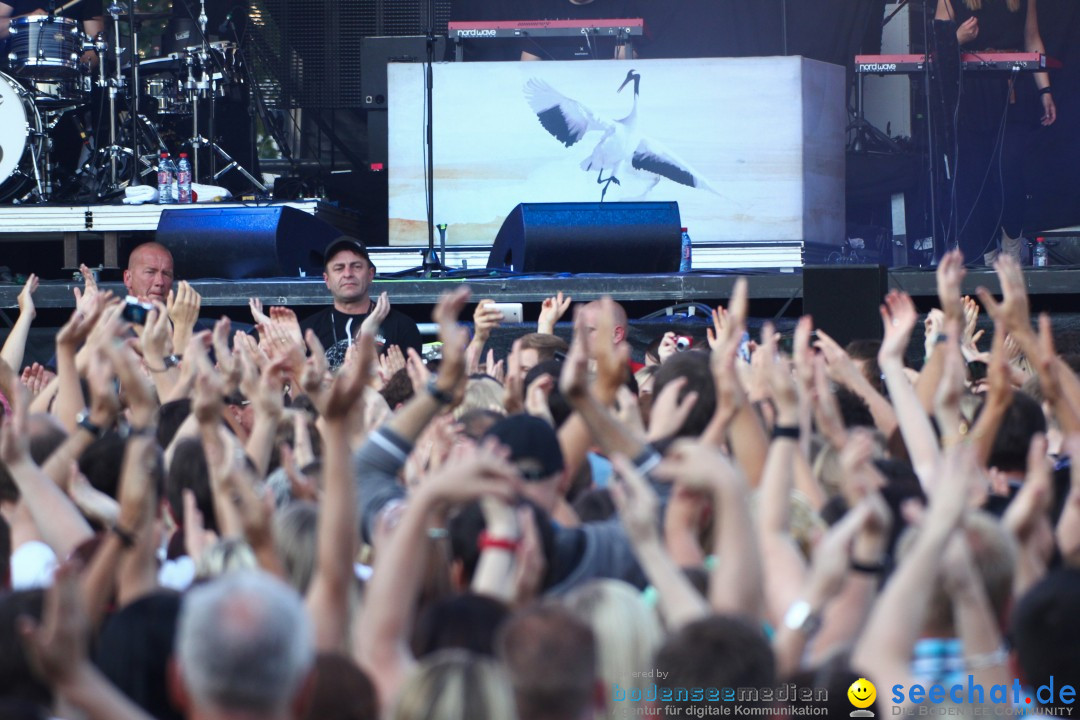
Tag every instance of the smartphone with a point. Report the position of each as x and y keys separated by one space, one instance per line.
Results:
x=511 y=311
x=135 y=312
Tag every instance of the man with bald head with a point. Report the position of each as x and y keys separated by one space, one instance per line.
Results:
x=149 y=274
x=590 y=317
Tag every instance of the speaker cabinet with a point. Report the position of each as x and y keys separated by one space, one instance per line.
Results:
x=844 y=300
x=239 y=243
x=642 y=237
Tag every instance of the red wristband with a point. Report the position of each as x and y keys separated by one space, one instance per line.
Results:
x=486 y=541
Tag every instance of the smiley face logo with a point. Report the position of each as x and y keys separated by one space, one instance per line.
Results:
x=862 y=694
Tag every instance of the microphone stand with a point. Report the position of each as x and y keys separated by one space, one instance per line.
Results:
x=432 y=263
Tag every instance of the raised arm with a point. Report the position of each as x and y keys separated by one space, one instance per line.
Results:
x=680 y=602
x=898 y=317
x=391 y=595
x=884 y=650
x=338 y=527
x=15 y=345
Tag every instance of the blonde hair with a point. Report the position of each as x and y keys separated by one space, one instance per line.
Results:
x=627 y=630
x=225 y=556
x=974 y=5
x=456 y=685
x=484 y=393
x=296 y=539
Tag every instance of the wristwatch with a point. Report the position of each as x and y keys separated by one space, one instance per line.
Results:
x=441 y=396
x=800 y=617
x=172 y=361
x=83 y=421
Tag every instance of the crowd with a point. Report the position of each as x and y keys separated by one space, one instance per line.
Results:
x=212 y=525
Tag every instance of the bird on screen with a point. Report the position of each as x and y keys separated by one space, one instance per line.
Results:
x=622 y=146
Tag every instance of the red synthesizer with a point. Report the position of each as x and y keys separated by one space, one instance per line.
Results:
x=546 y=28
x=987 y=61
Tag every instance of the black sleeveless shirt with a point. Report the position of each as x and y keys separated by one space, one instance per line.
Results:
x=999 y=28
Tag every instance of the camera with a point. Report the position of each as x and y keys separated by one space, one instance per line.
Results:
x=683 y=343
x=135 y=312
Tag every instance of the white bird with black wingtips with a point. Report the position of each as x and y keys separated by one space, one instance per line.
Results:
x=621 y=145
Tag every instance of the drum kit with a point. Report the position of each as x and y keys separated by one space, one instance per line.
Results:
x=49 y=80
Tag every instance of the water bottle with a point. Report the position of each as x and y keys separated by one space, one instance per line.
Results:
x=183 y=180
x=165 y=175
x=684 y=262
x=1038 y=255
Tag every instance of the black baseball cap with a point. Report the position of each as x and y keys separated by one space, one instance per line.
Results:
x=534 y=446
x=345 y=242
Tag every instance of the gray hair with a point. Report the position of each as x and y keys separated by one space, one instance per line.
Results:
x=244 y=643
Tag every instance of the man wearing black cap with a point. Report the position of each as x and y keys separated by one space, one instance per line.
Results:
x=534 y=449
x=348 y=275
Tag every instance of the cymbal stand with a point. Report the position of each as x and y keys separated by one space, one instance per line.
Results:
x=196 y=88
x=133 y=102
x=114 y=84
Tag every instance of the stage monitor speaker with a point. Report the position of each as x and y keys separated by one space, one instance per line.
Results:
x=622 y=237
x=844 y=300
x=248 y=242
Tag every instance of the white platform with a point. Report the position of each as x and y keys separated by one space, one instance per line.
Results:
x=21 y=219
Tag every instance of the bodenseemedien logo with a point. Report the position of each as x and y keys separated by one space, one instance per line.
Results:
x=862 y=694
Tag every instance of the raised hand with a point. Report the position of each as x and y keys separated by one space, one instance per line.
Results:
x=636 y=502
x=950 y=275
x=315 y=368
x=574 y=378
x=77 y=329
x=667 y=347
x=472 y=472
x=898 y=316
x=285 y=319
x=970 y=336
x=669 y=411
x=84 y=297
x=1014 y=311
x=451 y=376
x=183 y=305
x=348 y=385
x=257 y=314
x=375 y=318
x=390 y=363
x=551 y=311
x=26 y=297
x=777 y=371
x=156 y=338
x=486 y=318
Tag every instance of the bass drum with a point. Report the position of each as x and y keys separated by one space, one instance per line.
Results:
x=21 y=139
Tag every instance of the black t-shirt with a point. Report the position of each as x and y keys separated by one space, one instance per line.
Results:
x=583 y=47
x=335 y=329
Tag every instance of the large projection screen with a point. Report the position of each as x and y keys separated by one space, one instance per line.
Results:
x=762 y=140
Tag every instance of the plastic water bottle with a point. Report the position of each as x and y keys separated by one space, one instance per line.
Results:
x=685 y=260
x=183 y=180
x=1038 y=255
x=165 y=174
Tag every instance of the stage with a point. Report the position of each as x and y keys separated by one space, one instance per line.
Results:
x=710 y=288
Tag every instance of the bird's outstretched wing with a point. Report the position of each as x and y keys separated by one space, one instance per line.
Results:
x=653 y=157
x=565 y=118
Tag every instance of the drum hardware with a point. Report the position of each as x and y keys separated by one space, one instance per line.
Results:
x=210 y=60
